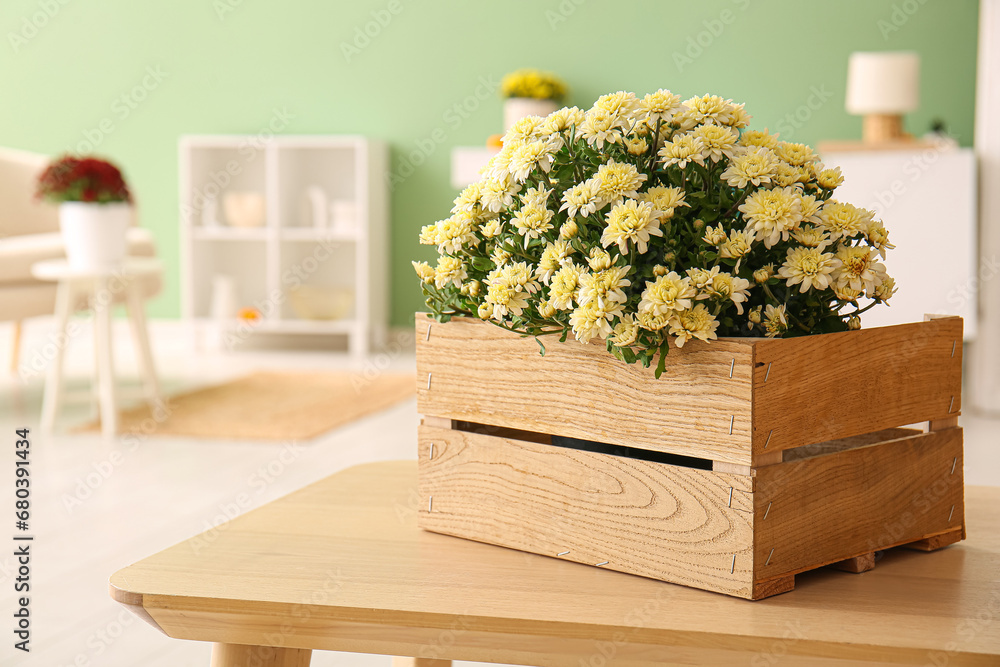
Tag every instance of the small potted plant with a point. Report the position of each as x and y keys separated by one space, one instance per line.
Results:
x=95 y=209
x=530 y=92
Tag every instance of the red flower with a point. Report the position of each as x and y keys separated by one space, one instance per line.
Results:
x=86 y=179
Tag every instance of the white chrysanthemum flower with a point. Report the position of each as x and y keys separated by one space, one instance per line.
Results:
x=429 y=235
x=739 y=118
x=786 y=175
x=701 y=278
x=811 y=208
x=525 y=130
x=622 y=105
x=527 y=156
x=498 y=194
x=599 y=259
x=425 y=271
x=810 y=268
x=828 y=179
x=812 y=237
x=691 y=323
x=618 y=180
x=845 y=293
x=590 y=320
x=885 y=289
x=775 y=321
x=859 y=269
x=631 y=222
x=491 y=228
x=878 y=237
x=772 y=214
x=715 y=235
x=636 y=145
x=843 y=220
x=565 y=286
x=600 y=127
x=569 y=230
x=625 y=332
x=497 y=168
x=532 y=221
x=737 y=245
x=684 y=148
x=726 y=286
x=536 y=196
x=667 y=294
x=456 y=232
x=499 y=256
x=583 y=199
x=659 y=106
x=563 y=119
x=468 y=200
x=718 y=141
x=449 y=270
x=796 y=155
x=759 y=138
x=664 y=200
x=604 y=287
x=653 y=321
x=554 y=257
x=710 y=109
x=752 y=165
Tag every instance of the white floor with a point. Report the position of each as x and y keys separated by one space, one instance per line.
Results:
x=91 y=517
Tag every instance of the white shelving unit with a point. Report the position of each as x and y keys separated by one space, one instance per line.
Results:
x=288 y=248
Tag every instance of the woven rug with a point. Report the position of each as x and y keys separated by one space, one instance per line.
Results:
x=269 y=406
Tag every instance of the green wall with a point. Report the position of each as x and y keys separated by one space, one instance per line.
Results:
x=224 y=66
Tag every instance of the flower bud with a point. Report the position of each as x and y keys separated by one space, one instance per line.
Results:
x=854 y=323
x=754 y=315
x=660 y=270
x=568 y=230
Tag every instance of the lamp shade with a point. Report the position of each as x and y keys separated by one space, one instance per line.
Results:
x=886 y=82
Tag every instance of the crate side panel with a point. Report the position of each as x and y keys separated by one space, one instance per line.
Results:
x=681 y=525
x=480 y=373
x=817 y=388
x=831 y=507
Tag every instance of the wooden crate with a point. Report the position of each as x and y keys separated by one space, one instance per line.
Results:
x=748 y=461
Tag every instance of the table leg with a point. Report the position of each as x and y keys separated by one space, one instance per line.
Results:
x=238 y=655
x=140 y=334
x=105 y=369
x=53 y=385
x=420 y=662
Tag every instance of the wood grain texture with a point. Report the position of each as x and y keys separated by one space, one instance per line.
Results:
x=675 y=524
x=481 y=373
x=838 y=385
x=419 y=662
x=396 y=590
x=236 y=655
x=856 y=565
x=935 y=542
x=827 y=508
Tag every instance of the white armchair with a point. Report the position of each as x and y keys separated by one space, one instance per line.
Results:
x=29 y=232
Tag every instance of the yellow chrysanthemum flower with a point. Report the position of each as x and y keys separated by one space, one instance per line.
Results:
x=715 y=235
x=775 y=321
x=810 y=268
x=528 y=156
x=701 y=278
x=631 y=222
x=468 y=199
x=563 y=119
x=829 y=179
x=761 y=138
x=753 y=165
x=772 y=214
x=725 y=286
x=636 y=145
x=428 y=235
x=843 y=220
x=859 y=269
x=424 y=270
x=605 y=286
x=525 y=130
x=796 y=154
x=684 y=148
x=666 y=294
x=600 y=127
x=652 y=321
x=710 y=109
x=625 y=332
x=591 y=320
x=455 y=232
x=583 y=198
x=598 y=259
x=718 y=141
x=565 y=286
x=737 y=245
x=691 y=323
x=812 y=237
x=532 y=221
x=659 y=106
x=618 y=180
x=553 y=258
x=621 y=105
x=569 y=229
x=449 y=270
x=664 y=199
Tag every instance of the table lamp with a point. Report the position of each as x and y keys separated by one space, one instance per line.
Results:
x=882 y=86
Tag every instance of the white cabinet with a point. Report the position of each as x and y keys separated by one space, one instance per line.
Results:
x=293 y=227
x=927 y=198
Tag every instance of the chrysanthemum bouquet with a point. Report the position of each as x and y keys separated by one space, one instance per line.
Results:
x=646 y=221
x=532 y=83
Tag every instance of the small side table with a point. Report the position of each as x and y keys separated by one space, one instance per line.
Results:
x=102 y=287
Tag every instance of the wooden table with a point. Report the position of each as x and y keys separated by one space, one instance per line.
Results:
x=341 y=566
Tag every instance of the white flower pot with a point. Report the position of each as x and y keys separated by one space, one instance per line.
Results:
x=516 y=108
x=94 y=234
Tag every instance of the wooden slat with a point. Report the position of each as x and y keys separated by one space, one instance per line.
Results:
x=666 y=522
x=827 y=508
x=236 y=655
x=481 y=373
x=838 y=385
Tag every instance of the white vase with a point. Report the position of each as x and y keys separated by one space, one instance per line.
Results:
x=94 y=234
x=516 y=108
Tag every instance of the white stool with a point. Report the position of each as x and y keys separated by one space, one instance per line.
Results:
x=101 y=287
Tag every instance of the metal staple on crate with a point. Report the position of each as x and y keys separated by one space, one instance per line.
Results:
x=768 y=438
x=429 y=380
x=951 y=404
x=431 y=454
x=430 y=503
x=954 y=462
x=953 y=344
x=951 y=513
x=732 y=419
x=602 y=563
x=769 y=557
x=733 y=568
x=562 y=553
x=768 y=373
x=731 y=367
x=766 y=511
x=730 y=496
x=428 y=336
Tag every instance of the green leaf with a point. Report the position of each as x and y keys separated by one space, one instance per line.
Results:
x=541 y=345
x=661 y=365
